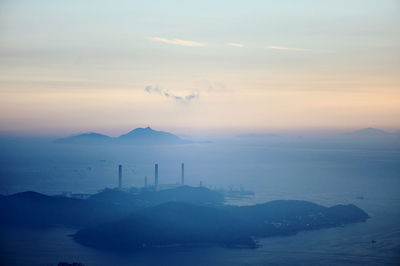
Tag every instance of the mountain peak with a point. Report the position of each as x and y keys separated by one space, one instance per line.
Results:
x=149 y=136
x=139 y=135
x=140 y=129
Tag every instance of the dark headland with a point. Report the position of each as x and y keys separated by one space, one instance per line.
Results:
x=145 y=218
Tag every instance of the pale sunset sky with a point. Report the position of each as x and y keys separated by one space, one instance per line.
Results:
x=198 y=66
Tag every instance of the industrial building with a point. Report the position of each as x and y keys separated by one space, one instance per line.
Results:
x=156 y=179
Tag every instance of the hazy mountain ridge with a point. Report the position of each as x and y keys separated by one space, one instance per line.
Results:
x=90 y=137
x=137 y=136
x=33 y=209
x=115 y=219
x=372 y=132
x=149 y=136
x=177 y=223
x=258 y=135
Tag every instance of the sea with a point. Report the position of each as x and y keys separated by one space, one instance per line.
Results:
x=326 y=171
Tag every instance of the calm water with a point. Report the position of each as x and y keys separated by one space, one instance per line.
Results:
x=324 y=172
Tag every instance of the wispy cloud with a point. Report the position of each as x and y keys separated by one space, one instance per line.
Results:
x=183 y=99
x=177 y=42
x=286 y=48
x=240 y=45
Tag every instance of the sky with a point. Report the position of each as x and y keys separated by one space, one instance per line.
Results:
x=198 y=66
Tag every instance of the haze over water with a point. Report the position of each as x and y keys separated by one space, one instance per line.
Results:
x=324 y=171
x=293 y=100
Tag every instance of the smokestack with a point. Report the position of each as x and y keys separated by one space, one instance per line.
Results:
x=145 y=181
x=156 y=175
x=119 y=176
x=182 y=174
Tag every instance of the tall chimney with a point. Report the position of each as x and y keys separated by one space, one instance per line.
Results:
x=145 y=181
x=182 y=174
x=156 y=175
x=119 y=176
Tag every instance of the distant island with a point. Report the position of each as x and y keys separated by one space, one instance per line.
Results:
x=371 y=132
x=148 y=218
x=32 y=209
x=149 y=136
x=179 y=223
x=137 y=136
x=258 y=135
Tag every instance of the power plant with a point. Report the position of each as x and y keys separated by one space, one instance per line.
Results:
x=120 y=176
x=182 y=174
x=156 y=175
x=156 y=185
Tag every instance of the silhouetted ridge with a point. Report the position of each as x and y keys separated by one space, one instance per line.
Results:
x=29 y=195
x=32 y=209
x=281 y=209
x=184 y=215
x=173 y=223
x=111 y=195
x=137 y=136
x=198 y=195
x=38 y=210
x=183 y=223
x=85 y=138
x=149 y=136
